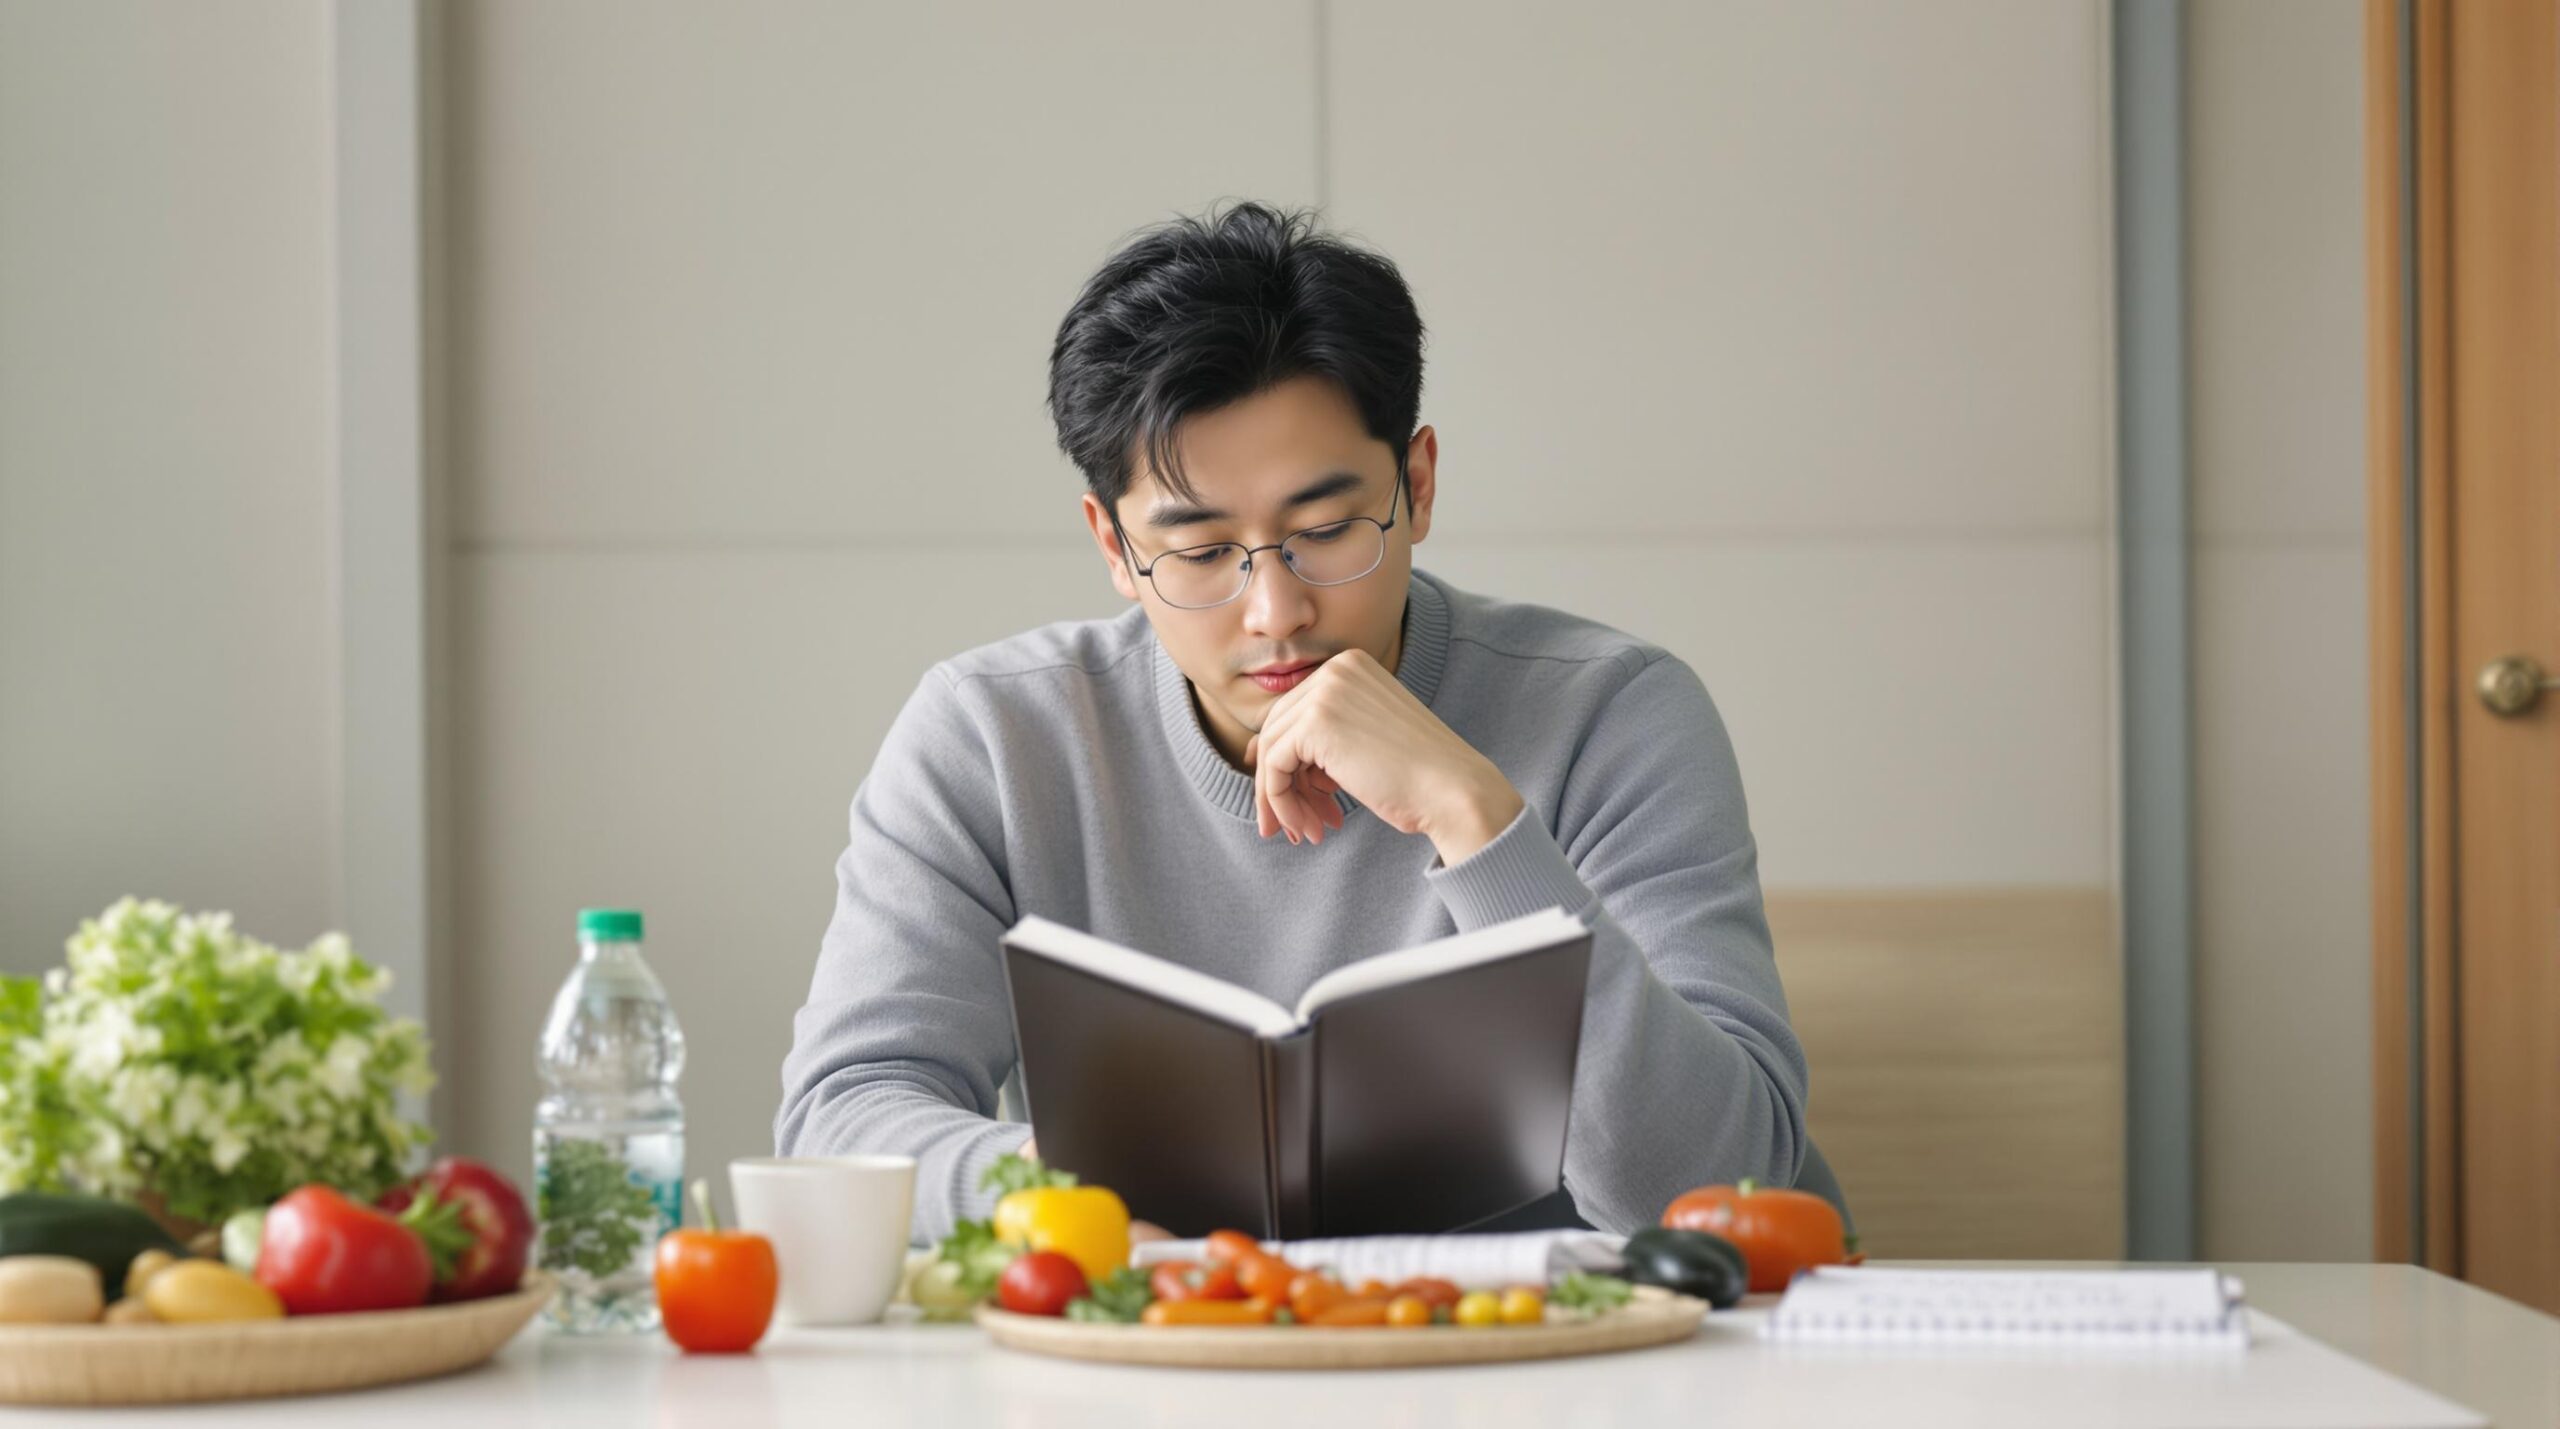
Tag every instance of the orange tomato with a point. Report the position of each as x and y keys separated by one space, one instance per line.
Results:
x=1408 y=1311
x=1779 y=1231
x=716 y=1288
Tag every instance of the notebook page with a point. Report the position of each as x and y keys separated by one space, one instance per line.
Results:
x=2187 y=1306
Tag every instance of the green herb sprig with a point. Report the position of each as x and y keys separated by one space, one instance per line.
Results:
x=594 y=1216
x=1116 y=1299
x=1587 y=1294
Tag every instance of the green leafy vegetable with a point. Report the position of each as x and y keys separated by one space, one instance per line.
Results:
x=1012 y=1172
x=972 y=1245
x=594 y=1216
x=1116 y=1299
x=1590 y=1294
x=175 y=1056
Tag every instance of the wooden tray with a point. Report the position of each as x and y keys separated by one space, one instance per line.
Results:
x=1654 y=1317
x=254 y=1359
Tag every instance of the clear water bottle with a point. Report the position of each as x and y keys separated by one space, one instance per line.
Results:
x=608 y=1138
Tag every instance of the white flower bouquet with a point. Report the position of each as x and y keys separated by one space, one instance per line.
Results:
x=178 y=1062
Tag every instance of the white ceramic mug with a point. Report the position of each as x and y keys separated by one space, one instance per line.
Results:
x=838 y=1226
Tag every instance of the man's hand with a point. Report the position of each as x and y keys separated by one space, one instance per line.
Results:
x=1352 y=726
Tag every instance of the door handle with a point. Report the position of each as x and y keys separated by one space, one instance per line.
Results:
x=2510 y=686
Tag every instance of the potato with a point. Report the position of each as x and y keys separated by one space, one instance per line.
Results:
x=149 y=1263
x=49 y=1290
x=194 y=1292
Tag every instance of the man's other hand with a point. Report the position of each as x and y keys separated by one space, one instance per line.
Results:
x=1353 y=726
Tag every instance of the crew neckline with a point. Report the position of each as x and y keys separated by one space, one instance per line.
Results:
x=1229 y=789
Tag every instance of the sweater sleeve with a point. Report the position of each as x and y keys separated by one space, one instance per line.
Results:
x=1689 y=1072
x=907 y=1034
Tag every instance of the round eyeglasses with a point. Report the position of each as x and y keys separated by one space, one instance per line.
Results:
x=1336 y=553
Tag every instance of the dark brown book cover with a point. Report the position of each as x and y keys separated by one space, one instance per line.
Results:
x=1419 y=1091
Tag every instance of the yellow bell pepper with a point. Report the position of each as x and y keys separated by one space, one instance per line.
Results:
x=1042 y=1209
x=1086 y=1224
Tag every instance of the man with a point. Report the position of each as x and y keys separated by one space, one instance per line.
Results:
x=1296 y=751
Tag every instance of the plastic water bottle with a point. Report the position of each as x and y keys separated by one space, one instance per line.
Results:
x=608 y=1139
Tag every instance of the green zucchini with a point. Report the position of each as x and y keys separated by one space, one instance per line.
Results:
x=1688 y=1263
x=106 y=1234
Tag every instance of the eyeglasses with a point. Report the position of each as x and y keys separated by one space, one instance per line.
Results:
x=1337 y=553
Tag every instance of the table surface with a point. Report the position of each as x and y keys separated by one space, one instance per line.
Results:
x=2465 y=1345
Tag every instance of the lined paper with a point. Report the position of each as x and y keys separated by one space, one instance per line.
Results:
x=1848 y=1304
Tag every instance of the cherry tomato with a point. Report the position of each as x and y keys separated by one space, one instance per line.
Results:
x=1195 y=1280
x=1232 y=1246
x=1407 y=1312
x=1040 y=1282
x=1266 y=1277
x=1430 y=1291
x=1523 y=1306
x=1311 y=1294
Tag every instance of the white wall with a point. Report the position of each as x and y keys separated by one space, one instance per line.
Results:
x=2275 y=194
x=1775 y=333
x=748 y=316
x=168 y=691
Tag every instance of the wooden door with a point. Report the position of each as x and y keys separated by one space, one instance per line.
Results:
x=2465 y=177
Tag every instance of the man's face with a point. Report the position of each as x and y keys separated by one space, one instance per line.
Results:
x=1265 y=467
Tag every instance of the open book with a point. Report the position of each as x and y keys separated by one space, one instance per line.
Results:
x=1419 y=1090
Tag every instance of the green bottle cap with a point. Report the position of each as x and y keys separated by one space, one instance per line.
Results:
x=609 y=925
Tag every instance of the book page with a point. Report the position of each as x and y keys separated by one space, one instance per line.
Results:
x=1527 y=933
x=1171 y=981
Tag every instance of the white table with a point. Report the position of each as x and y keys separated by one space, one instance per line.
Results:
x=2463 y=1344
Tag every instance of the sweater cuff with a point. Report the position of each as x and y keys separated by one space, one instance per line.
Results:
x=1521 y=872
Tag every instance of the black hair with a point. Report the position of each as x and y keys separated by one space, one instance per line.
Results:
x=1196 y=313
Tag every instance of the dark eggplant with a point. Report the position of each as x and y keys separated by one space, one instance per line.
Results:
x=1688 y=1263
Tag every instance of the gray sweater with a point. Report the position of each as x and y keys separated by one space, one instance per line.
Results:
x=1064 y=772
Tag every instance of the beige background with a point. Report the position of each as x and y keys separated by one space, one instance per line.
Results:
x=2276 y=330
x=1780 y=334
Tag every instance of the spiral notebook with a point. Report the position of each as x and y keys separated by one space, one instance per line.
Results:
x=2180 y=1307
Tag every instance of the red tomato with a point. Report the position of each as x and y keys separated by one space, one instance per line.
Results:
x=323 y=1254
x=1779 y=1231
x=495 y=1231
x=1039 y=1283
x=1195 y=1280
x=715 y=1288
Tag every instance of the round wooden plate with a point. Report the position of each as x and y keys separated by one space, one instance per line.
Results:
x=254 y=1359
x=1654 y=1317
